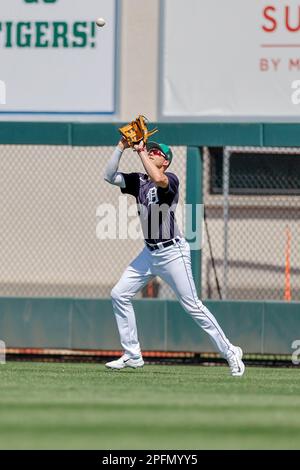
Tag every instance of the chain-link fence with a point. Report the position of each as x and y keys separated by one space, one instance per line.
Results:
x=50 y=196
x=252 y=237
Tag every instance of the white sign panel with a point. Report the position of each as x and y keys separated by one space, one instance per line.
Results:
x=54 y=59
x=231 y=59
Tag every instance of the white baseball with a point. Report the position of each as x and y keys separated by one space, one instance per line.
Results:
x=100 y=22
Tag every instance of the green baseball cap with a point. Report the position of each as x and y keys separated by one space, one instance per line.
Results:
x=165 y=149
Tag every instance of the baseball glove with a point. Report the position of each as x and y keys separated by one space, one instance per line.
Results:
x=136 y=131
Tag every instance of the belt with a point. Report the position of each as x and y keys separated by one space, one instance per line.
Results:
x=157 y=246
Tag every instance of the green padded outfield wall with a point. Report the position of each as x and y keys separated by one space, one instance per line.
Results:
x=259 y=327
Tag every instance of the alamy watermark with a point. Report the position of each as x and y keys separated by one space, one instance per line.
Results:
x=2 y=92
x=152 y=221
x=296 y=93
x=2 y=352
x=296 y=353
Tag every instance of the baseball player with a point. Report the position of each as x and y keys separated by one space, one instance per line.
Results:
x=166 y=254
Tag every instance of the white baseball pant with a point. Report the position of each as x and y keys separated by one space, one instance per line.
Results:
x=173 y=265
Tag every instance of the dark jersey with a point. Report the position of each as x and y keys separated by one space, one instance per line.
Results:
x=156 y=206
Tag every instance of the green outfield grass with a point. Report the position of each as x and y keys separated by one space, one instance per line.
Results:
x=84 y=406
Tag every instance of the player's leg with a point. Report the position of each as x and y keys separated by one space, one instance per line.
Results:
x=135 y=276
x=178 y=274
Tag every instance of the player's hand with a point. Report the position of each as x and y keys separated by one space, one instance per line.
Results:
x=140 y=147
x=123 y=144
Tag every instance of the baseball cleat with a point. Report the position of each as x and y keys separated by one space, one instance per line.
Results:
x=125 y=361
x=234 y=359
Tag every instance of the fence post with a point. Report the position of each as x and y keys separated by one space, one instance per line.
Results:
x=194 y=195
x=226 y=185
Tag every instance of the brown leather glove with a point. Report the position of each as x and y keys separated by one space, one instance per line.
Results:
x=137 y=131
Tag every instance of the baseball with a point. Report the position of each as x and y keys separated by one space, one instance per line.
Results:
x=100 y=22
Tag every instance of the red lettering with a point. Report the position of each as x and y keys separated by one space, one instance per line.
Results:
x=264 y=65
x=276 y=63
x=269 y=65
x=294 y=64
x=270 y=29
x=287 y=21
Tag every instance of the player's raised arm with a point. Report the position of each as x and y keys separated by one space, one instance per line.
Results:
x=157 y=175
x=111 y=174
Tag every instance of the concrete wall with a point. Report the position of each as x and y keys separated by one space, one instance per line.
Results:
x=139 y=21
